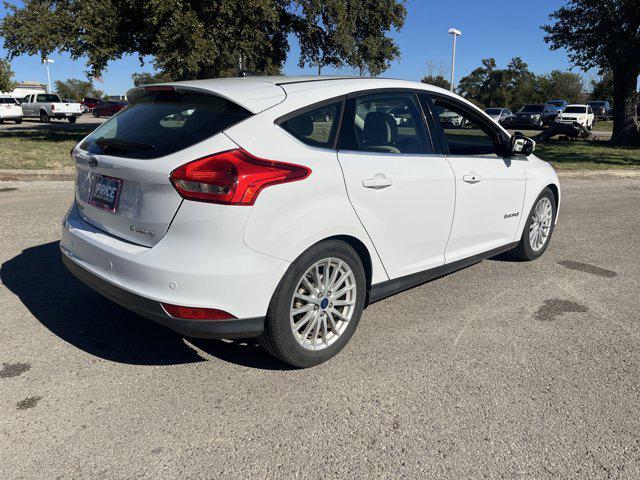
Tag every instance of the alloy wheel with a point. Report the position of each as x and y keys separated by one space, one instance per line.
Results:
x=323 y=303
x=540 y=227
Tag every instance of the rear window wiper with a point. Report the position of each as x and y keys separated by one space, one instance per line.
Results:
x=113 y=144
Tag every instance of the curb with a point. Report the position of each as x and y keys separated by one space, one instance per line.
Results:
x=598 y=173
x=37 y=175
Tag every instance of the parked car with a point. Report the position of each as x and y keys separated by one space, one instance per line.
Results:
x=533 y=116
x=601 y=109
x=580 y=114
x=558 y=105
x=499 y=114
x=106 y=109
x=10 y=110
x=245 y=220
x=452 y=119
x=47 y=106
x=91 y=102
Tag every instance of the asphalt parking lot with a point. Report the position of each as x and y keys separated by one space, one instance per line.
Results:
x=502 y=370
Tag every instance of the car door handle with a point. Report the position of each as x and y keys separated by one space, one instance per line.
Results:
x=378 y=181
x=471 y=178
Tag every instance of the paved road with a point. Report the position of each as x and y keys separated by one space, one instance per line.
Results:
x=509 y=370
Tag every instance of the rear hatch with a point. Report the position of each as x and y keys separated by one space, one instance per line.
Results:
x=123 y=167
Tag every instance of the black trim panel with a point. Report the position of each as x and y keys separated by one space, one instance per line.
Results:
x=237 y=328
x=397 y=285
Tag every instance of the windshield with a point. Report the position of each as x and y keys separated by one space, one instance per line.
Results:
x=532 y=108
x=48 y=97
x=575 y=110
x=493 y=111
x=161 y=123
x=556 y=103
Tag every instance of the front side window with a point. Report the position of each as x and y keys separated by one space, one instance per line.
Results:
x=465 y=133
x=317 y=127
x=387 y=123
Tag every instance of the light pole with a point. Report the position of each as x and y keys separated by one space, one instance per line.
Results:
x=47 y=61
x=455 y=32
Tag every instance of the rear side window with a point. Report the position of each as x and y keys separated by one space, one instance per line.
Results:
x=316 y=127
x=164 y=122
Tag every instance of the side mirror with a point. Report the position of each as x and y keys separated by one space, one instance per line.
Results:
x=521 y=145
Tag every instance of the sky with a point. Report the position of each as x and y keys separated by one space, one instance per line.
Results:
x=502 y=29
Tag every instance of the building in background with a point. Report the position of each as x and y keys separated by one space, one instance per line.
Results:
x=26 y=88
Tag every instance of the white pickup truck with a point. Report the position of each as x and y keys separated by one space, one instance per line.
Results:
x=46 y=106
x=10 y=110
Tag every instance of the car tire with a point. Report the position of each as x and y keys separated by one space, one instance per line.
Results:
x=297 y=346
x=72 y=119
x=95 y=114
x=19 y=121
x=528 y=249
x=44 y=117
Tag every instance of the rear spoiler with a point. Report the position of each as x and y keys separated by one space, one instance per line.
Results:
x=252 y=93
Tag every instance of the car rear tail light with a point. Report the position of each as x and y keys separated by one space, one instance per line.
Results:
x=234 y=177
x=196 y=313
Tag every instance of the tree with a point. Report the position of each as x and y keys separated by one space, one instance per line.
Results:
x=437 y=80
x=370 y=50
x=602 y=87
x=434 y=74
x=6 y=76
x=567 y=86
x=606 y=36
x=338 y=32
x=76 y=89
x=186 y=39
x=189 y=40
x=146 y=78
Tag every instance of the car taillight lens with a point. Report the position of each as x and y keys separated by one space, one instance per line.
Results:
x=234 y=177
x=196 y=313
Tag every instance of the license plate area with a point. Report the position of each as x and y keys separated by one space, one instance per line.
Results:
x=105 y=192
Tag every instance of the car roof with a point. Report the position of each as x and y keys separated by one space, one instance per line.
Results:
x=259 y=93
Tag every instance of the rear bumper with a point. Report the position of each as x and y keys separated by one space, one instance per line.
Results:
x=236 y=328
x=66 y=115
x=200 y=262
x=10 y=117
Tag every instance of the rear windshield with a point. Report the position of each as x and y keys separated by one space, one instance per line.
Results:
x=575 y=110
x=11 y=101
x=161 y=123
x=48 y=97
x=532 y=108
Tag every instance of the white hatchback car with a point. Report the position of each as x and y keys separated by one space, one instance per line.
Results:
x=280 y=207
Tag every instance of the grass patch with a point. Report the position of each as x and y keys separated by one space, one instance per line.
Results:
x=48 y=149
x=38 y=149
x=584 y=155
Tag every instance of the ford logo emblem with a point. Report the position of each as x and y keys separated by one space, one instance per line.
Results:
x=93 y=162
